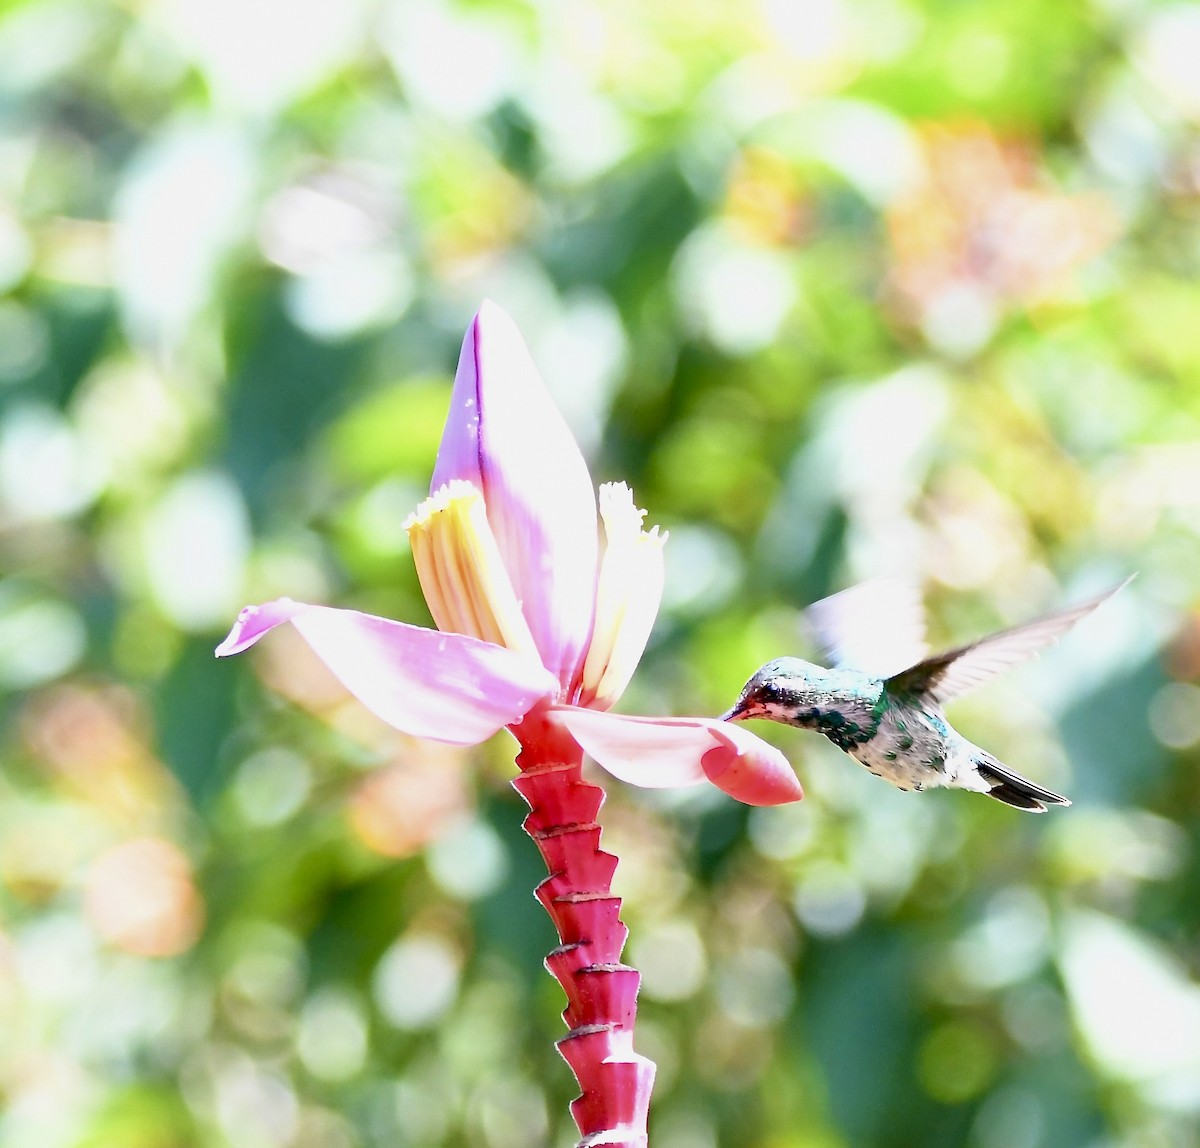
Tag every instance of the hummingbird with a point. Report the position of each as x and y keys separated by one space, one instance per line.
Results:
x=881 y=701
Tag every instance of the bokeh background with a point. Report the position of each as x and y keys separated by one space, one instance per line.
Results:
x=842 y=287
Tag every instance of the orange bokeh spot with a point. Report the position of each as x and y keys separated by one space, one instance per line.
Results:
x=94 y=740
x=984 y=215
x=399 y=809
x=140 y=896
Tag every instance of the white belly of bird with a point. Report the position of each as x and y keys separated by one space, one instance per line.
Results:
x=909 y=749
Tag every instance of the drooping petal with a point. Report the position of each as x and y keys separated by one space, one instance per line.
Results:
x=254 y=621
x=442 y=686
x=641 y=751
x=748 y=768
x=658 y=753
x=628 y=595
x=504 y=435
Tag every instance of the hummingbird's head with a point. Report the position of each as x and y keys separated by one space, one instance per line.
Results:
x=776 y=691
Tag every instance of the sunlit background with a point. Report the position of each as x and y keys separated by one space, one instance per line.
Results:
x=842 y=287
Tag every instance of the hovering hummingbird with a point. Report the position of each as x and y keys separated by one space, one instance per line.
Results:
x=882 y=701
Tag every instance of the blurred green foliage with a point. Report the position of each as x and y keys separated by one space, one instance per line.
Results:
x=842 y=287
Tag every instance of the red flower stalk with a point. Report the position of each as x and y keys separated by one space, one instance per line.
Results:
x=615 y=1081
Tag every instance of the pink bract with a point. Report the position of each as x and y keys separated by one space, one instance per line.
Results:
x=505 y=435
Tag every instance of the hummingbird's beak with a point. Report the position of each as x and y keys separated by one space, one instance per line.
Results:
x=737 y=711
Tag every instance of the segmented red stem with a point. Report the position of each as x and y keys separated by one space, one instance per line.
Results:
x=615 y=1081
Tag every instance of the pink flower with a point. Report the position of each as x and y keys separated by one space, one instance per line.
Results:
x=532 y=620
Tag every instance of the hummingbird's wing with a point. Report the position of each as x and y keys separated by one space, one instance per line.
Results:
x=877 y=627
x=949 y=675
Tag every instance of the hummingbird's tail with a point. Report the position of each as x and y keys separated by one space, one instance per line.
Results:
x=1012 y=788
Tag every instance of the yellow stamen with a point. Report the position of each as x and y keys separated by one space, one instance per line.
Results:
x=628 y=594
x=461 y=572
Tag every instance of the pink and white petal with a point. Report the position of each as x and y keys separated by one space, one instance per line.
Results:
x=657 y=753
x=428 y=684
x=748 y=768
x=505 y=435
x=254 y=621
x=641 y=751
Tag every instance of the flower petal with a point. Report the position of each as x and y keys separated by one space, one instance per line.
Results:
x=254 y=621
x=442 y=686
x=657 y=753
x=748 y=768
x=505 y=435
x=628 y=594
